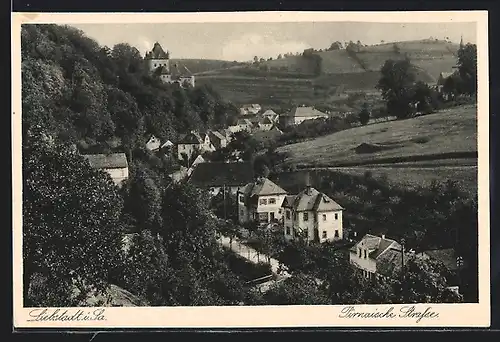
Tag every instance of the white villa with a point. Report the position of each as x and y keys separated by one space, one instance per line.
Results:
x=314 y=214
x=260 y=201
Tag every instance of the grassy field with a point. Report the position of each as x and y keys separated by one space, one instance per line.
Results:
x=450 y=131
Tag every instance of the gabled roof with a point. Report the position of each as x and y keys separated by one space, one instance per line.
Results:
x=107 y=161
x=263 y=187
x=446 y=74
x=269 y=112
x=191 y=138
x=390 y=261
x=167 y=143
x=266 y=121
x=157 y=52
x=245 y=122
x=220 y=174
x=376 y=245
x=311 y=199
x=306 y=112
x=216 y=134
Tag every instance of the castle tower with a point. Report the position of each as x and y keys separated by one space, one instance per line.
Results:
x=157 y=57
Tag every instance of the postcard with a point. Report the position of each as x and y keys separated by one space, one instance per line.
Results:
x=250 y=169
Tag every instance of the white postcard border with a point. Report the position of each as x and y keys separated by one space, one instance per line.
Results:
x=449 y=315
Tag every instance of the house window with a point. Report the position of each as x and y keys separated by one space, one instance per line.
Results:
x=288 y=214
x=263 y=201
x=306 y=233
x=324 y=217
x=336 y=216
x=306 y=216
x=242 y=199
x=242 y=212
x=324 y=234
x=365 y=253
x=279 y=211
x=360 y=252
x=287 y=230
x=271 y=216
x=263 y=217
x=336 y=233
x=272 y=201
x=294 y=215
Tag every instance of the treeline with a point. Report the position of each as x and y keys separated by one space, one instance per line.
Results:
x=405 y=96
x=82 y=92
x=75 y=221
x=81 y=233
x=440 y=216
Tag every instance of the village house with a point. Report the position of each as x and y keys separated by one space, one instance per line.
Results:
x=271 y=115
x=264 y=124
x=250 y=109
x=260 y=201
x=376 y=256
x=271 y=134
x=198 y=160
x=192 y=143
x=218 y=140
x=313 y=214
x=115 y=165
x=243 y=125
x=300 y=114
x=217 y=176
x=443 y=76
x=153 y=143
x=158 y=62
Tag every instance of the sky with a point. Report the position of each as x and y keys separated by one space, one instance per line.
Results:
x=242 y=41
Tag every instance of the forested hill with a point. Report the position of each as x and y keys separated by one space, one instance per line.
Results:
x=80 y=91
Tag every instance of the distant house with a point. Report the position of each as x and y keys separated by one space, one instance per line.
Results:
x=250 y=109
x=443 y=77
x=272 y=134
x=115 y=165
x=376 y=256
x=193 y=142
x=153 y=144
x=218 y=140
x=271 y=115
x=167 y=144
x=215 y=177
x=260 y=201
x=314 y=214
x=244 y=125
x=300 y=114
x=199 y=160
x=264 y=124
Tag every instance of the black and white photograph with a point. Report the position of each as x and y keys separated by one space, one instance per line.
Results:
x=255 y=164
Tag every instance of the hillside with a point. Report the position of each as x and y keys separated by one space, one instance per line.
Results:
x=204 y=65
x=450 y=131
x=409 y=152
x=352 y=72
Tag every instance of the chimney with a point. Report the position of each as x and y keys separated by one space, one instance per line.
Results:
x=308 y=183
x=383 y=236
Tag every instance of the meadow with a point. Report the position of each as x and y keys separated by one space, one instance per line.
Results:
x=447 y=134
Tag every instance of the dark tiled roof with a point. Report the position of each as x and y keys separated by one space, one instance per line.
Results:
x=377 y=245
x=157 y=52
x=107 y=161
x=390 y=262
x=263 y=187
x=219 y=174
x=305 y=112
x=190 y=138
x=311 y=200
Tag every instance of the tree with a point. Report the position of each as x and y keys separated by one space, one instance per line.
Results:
x=71 y=225
x=364 y=115
x=336 y=46
x=467 y=67
x=280 y=56
x=425 y=98
x=396 y=85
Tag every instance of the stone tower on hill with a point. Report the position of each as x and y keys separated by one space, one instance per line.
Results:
x=158 y=61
